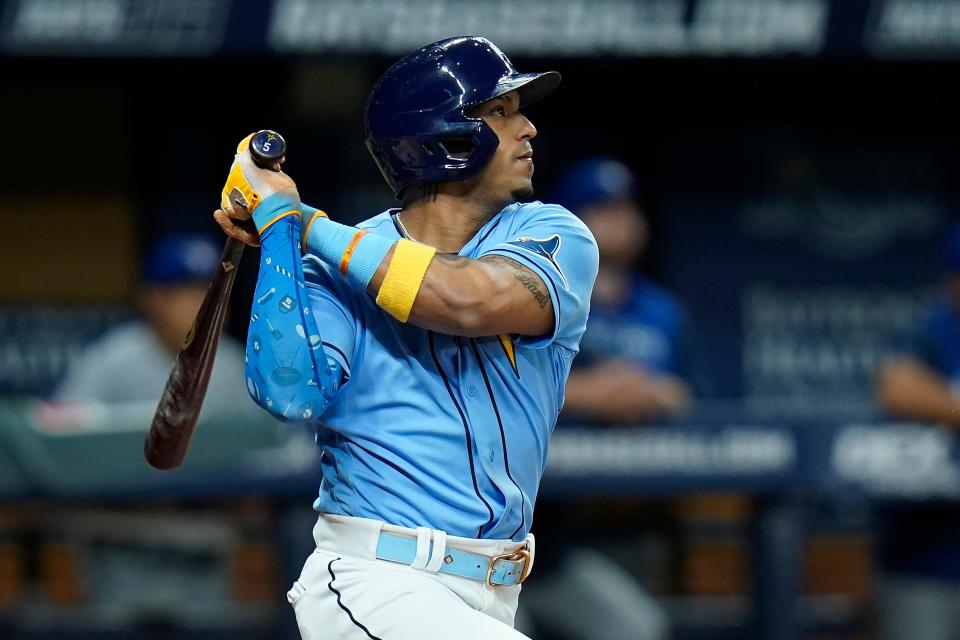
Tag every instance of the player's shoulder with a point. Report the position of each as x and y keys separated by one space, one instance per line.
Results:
x=126 y=343
x=542 y=218
x=122 y=337
x=939 y=319
x=545 y=212
x=382 y=224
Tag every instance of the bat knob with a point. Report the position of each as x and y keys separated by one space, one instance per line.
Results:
x=268 y=149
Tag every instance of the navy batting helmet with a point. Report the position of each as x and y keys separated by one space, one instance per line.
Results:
x=181 y=258
x=417 y=107
x=594 y=180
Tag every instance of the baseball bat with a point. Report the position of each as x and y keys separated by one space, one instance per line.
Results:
x=173 y=423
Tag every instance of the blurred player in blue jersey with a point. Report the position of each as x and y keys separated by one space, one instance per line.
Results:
x=429 y=345
x=919 y=543
x=638 y=364
x=639 y=360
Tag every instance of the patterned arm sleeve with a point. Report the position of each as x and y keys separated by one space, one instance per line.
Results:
x=288 y=371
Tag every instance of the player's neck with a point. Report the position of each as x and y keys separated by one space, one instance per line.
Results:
x=444 y=220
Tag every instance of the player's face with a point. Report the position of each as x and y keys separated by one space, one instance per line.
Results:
x=172 y=309
x=620 y=229
x=509 y=174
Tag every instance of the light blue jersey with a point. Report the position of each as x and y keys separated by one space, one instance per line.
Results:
x=422 y=428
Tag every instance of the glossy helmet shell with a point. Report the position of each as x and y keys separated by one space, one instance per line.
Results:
x=417 y=108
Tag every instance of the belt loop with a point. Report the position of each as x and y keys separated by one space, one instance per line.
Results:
x=439 y=551
x=532 y=548
x=295 y=593
x=423 y=548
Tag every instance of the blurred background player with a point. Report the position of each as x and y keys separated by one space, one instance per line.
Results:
x=131 y=362
x=638 y=361
x=637 y=365
x=918 y=593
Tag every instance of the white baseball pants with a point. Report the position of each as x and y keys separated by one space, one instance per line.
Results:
x=345 y=593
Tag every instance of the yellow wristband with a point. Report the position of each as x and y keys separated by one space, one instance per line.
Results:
x=404 y=277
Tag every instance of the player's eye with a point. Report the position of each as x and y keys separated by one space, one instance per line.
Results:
x=499 y=110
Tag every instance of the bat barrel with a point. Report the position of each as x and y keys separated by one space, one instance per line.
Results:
x=179 y=407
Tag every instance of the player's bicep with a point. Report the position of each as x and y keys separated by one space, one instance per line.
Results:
x=524 y=305
x=562 y=252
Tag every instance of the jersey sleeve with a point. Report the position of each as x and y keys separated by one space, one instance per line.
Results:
x=559 y=248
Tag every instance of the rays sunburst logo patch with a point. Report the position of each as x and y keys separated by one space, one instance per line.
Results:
x=547 y=248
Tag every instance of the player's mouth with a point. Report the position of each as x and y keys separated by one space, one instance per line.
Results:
x=526 y=156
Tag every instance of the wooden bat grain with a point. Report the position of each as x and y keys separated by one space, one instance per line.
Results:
x=179 y=407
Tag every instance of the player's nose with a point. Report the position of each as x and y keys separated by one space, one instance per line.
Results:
x=527 y=131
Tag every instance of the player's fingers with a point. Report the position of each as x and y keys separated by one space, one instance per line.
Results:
x=225 y=223
x=235 y=231
x=235 y=210
x=263 y=179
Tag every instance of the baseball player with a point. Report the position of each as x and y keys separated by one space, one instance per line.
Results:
x=131 y=362
x=433 y=341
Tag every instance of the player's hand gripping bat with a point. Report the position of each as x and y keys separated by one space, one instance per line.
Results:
x=173 y=423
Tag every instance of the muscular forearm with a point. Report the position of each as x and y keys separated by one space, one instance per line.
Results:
x=909 y=389
x=474 y=298
x=447 y=292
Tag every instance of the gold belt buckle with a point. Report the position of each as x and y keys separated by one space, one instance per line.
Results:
x=522 y=553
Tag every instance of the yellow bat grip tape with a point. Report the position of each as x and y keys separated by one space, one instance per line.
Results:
x=404 y=277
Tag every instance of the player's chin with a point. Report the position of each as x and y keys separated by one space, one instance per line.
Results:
x=523 y=193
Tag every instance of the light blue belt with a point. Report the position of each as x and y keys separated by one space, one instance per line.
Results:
x=503 y=570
